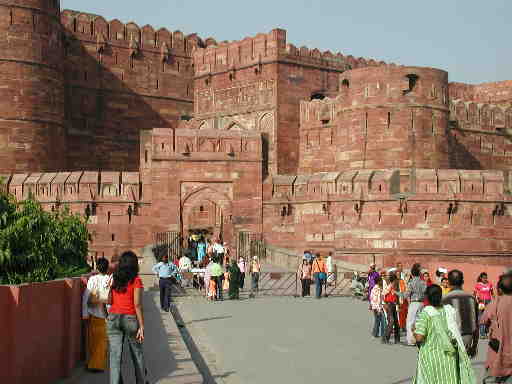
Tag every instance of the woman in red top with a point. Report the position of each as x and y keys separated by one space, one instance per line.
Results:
x=125 y=319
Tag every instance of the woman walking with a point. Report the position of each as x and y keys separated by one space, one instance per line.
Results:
x=234 y=280
x=442 y=357
x=484 y=293
x=126 y=318
x=94 y=314
x=304 y=274
x=319 y=274
x=390 y=306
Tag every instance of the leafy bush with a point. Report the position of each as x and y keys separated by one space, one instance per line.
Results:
x=39 y=246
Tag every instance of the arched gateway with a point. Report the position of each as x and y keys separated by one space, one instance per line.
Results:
x=205 y=179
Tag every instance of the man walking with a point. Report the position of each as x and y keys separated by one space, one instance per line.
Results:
x=166 y=272
x=415 y=295
x=467 y=307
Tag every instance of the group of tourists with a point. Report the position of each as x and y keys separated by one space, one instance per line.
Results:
x=314 y=269
x=444 y=321
x=112 y=309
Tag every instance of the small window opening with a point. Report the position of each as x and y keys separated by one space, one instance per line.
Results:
x=389 y=120
x=380 y=188
x=231 y=77
x=207 y=81
x=380 y=217
x=157 y=84
x=108 y=217
x=325 y=122
x=345 y=83
x=426 y=216
x=146 y=156
x=201 y=209
x=86 y=75
x=257 y=71
x=413 y=78
x=163 y=146
x=317 y=96
x=113 y=237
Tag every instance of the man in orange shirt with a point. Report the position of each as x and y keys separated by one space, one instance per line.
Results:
x=319 y=274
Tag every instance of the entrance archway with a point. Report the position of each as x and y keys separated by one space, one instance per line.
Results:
x=208 y=209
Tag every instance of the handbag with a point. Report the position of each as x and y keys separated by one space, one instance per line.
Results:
x=494 y=343
x=101 y=293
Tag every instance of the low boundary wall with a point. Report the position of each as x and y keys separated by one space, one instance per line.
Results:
x=40 y=331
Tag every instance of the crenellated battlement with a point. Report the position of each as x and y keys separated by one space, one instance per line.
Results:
x=499 y=92
x=95 y=29
x=491 y=118
x=270 y=47
x=378 y=184
x=57 y=188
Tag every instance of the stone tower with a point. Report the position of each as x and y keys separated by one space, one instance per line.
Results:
x=32 y=135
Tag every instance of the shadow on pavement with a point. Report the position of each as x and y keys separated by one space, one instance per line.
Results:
x=202 y=365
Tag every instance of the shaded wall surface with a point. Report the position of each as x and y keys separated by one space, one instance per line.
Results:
x=41 y=331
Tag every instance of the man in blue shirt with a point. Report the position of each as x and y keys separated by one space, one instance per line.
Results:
x=166 y=273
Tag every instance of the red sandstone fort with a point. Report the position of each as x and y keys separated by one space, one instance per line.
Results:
x=156 y=132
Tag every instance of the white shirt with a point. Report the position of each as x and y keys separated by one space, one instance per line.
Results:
x=96 y=310
x=329 y=265
x=185 y=264
x=219 y=248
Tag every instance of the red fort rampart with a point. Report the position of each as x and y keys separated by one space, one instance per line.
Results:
x=153 y=131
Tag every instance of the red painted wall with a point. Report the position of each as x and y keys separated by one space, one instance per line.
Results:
x=41 y=331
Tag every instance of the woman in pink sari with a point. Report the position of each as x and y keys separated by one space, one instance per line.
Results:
x=498 y=315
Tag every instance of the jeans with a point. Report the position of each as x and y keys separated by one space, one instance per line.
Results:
x=392 y=323
x=412 y=312
x=483 y=327
x=306 y=287
x=165 y=293
x=378 y=325
x=255 y=281
x=119 y=328
x=242 y=280
x=218 y=285
x=319 y=284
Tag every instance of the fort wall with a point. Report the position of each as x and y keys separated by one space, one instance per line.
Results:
x=121 y=79
x=394 y=213
x=31 y=87
x=383 y=117
x=499 y=92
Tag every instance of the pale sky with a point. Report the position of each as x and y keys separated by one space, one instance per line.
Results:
x=468 y=38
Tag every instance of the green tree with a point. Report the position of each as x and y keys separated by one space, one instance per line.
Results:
x=36 y=245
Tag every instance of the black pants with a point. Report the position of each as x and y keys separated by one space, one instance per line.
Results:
x=392 y=323
x=165 y=293
x=306 y=287
x=218 y=282
x=242 y=280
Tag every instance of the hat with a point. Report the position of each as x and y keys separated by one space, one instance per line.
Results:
x=391 y=270
x=442 y=270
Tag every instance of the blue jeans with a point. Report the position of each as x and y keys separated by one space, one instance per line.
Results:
x=483 y=327
x=318 y=285
x=378 y=325
x=119 y=328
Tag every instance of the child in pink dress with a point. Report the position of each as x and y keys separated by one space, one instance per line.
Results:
x=483 y=294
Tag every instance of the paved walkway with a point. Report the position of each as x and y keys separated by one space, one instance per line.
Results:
x=296 y=340
x=265 y=340
x=167 y=357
